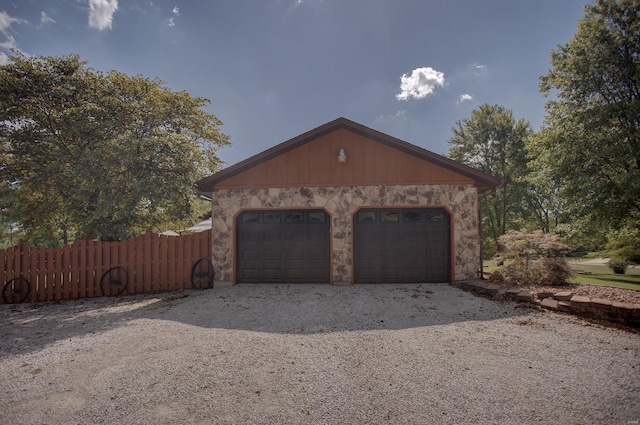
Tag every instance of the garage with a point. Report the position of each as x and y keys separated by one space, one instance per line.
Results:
x=409 y=245
x=392 y=211
x=290 y=246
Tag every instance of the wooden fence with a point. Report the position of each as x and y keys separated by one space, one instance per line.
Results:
x=154 y=263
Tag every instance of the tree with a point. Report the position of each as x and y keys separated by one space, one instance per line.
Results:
x=106 y=156
x=545 y=207
x=591 y=136
x=491 y=140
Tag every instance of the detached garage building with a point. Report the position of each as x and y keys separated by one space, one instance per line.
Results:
x=344 y=204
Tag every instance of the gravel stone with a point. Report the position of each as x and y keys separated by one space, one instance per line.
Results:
x=292 y=354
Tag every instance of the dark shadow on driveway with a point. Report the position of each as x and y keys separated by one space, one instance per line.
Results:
x=274 y=308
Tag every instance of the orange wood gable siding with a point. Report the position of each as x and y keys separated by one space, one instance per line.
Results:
x=368 y=163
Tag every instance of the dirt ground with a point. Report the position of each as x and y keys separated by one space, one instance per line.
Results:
x=280 y=354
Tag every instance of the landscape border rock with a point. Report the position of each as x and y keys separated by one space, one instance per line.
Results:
x=562 y=301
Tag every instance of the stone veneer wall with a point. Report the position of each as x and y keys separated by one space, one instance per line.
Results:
x=341 y=203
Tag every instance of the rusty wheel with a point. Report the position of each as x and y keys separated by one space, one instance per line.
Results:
x=16 y=290
x=114 y=281
x=202 y=274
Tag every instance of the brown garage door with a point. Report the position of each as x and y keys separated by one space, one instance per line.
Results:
x=402 y=245
x=289 y=246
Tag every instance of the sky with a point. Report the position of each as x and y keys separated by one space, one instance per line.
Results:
x=274 y=69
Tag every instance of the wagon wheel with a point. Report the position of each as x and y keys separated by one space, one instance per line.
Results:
x=114 y=281
x=16 y=290
x=202 y=274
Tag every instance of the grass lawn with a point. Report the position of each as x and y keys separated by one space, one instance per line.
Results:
x=602 y=275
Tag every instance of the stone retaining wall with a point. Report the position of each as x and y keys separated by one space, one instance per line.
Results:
x=562 y=301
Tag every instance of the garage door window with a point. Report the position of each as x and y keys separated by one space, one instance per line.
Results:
x=250 y=217
x=317 y=217
x=294 y=218
x=271 y=218
x=389 y=217
x=366 y=217
x=412 y=216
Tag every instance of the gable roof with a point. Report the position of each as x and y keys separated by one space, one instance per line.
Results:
x=482 y=181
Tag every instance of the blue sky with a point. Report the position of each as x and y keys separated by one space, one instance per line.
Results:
x=274 y=69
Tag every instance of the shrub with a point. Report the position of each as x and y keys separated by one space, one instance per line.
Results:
x=534 y=259
x=618 y=266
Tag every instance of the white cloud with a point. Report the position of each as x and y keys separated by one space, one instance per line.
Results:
x=176 y=12
x=464 y=98
x=400 y=115
x=10 y=43
x=480 y=70
x=101 y=13
x=420 y=83
x=46 y=19
x=6 y=21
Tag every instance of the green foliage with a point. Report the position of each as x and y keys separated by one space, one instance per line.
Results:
x=618 y=266
x=489 y=248
x=532 y=259
x=491 y=140
x=591 y=139
x=100 y=155
x=624 y=243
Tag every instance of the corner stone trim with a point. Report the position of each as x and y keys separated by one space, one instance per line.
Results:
x=341 y=203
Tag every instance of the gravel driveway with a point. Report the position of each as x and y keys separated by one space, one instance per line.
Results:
x=286 y=354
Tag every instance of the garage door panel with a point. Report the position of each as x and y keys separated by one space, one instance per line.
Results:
x=390 y=274
x=413 y=256
x=294 y=254
x=319 y=237
x=319 y=274
x=367 y=275
x=390 y=233
x=251 y=255
x=272 y=254
x=412 y=274
x=435 y=256
x=274 y=236
x=271 y=274
x=249 y=236
x=295 y=237
x=295 y=274
x=412 y=235
x=437 y=274
x=250 y=273
x=437 y=235
x=317 y=255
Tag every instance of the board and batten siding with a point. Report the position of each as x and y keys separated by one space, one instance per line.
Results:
x=368 y=163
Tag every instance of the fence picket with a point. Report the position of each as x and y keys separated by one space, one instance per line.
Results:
x=81 y=247
x=47 y=276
